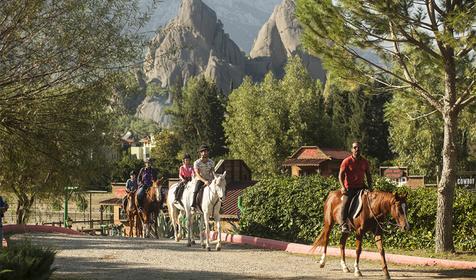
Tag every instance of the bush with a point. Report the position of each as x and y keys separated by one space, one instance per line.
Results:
x=26 y=261
x=291 y=209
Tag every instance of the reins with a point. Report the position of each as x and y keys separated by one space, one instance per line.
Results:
x=216 y=202
x=375 y=216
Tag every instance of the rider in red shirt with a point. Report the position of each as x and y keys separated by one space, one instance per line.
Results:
x=351 y=178
x=185 y=174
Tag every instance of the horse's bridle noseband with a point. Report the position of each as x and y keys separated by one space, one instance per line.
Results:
x=375 y=217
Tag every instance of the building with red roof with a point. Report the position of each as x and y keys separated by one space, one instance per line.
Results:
x=308 y=160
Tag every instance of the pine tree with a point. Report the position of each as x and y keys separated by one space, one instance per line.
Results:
x=198 y=115
x=426 y=49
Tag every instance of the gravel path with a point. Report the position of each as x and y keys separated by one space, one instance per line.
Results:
x=89 y=257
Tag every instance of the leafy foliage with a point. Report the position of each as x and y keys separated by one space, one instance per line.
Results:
x=198 y=116
x=59 y=65
x=291 y=209
x=356 y=114
x=423 y=49
x=166 y=153
x=26 y=261
x=122 y=168
x=266 y=122
x=416 y=135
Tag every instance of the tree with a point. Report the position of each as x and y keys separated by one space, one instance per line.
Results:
x=51 y=50
x=357 y=114
x=166 y=153
x=73 y=156
x=416 y=135
x=426 y=48
x=122 y=168
x=197 y=117
x=58 y=63
x=265 y=122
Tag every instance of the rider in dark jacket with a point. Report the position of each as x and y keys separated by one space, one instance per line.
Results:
x=147 y=175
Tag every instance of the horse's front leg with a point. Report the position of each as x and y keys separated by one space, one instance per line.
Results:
x=379 y=241
x=206 y=220
x=343 y=239
x=189 y=229
x=173 y=220
x=358 y=251
x=201 y=230
x=218 y=227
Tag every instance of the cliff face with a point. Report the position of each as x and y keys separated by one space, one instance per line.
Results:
x=193 y=43
x=278 y=39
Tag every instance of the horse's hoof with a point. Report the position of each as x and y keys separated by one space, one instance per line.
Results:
x=209 y=249
x=218 y=248
x=189 y=245
x=203 y=246
x=358 y=273
x=321 y=265
x=387 y=277
x=193 y=242
x=346 y=269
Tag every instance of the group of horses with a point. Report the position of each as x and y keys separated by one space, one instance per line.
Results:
x=145 y=221
x=375 y=207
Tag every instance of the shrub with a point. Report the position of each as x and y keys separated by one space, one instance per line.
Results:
x=291 y=209
x=26 y=261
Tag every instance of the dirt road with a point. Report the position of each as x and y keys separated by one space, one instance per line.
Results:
x=86 y=257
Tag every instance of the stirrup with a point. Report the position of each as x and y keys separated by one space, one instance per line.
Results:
x=344 y=228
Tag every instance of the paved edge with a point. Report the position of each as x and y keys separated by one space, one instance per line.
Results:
x=12 y=229
x=306 y=249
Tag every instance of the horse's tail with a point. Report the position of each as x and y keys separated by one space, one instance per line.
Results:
x=319 y=242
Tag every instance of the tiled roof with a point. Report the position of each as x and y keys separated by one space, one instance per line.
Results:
x=303 y=162
x=111 y=201
x=314 y=156
x=311 y=153
x=336 y=154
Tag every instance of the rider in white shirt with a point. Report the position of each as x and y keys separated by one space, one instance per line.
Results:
x=204 y=170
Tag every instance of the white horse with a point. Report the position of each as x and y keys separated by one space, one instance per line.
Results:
x=213 y=195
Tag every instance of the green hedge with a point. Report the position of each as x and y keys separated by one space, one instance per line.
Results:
x=25 y=261
x=291 y=209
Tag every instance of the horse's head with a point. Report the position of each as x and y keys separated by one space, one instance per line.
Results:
x=399 y=211
x=219 y=185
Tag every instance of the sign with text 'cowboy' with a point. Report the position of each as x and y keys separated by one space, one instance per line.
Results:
x=467 y=179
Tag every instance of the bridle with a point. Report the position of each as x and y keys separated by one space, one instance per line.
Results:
x=376 y=218
x=215 y=185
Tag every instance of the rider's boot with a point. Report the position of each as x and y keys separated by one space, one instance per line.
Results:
x=344 y=228
x=194 y=202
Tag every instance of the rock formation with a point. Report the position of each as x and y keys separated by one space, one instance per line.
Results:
x=278 y=39
x=193 y=43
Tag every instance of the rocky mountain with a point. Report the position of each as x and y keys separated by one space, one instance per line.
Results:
x=191 y=44
x=278 y=39
x=242 y=19
x=195 y=43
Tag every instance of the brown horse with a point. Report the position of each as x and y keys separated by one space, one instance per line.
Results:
x=150 y=209
x=376 y=206
x=132 y=217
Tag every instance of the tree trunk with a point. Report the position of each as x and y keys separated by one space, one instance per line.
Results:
x=444 y=212
x=444 y=216
x=24 y=208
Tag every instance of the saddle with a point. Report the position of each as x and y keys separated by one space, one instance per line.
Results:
x=355 y=206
